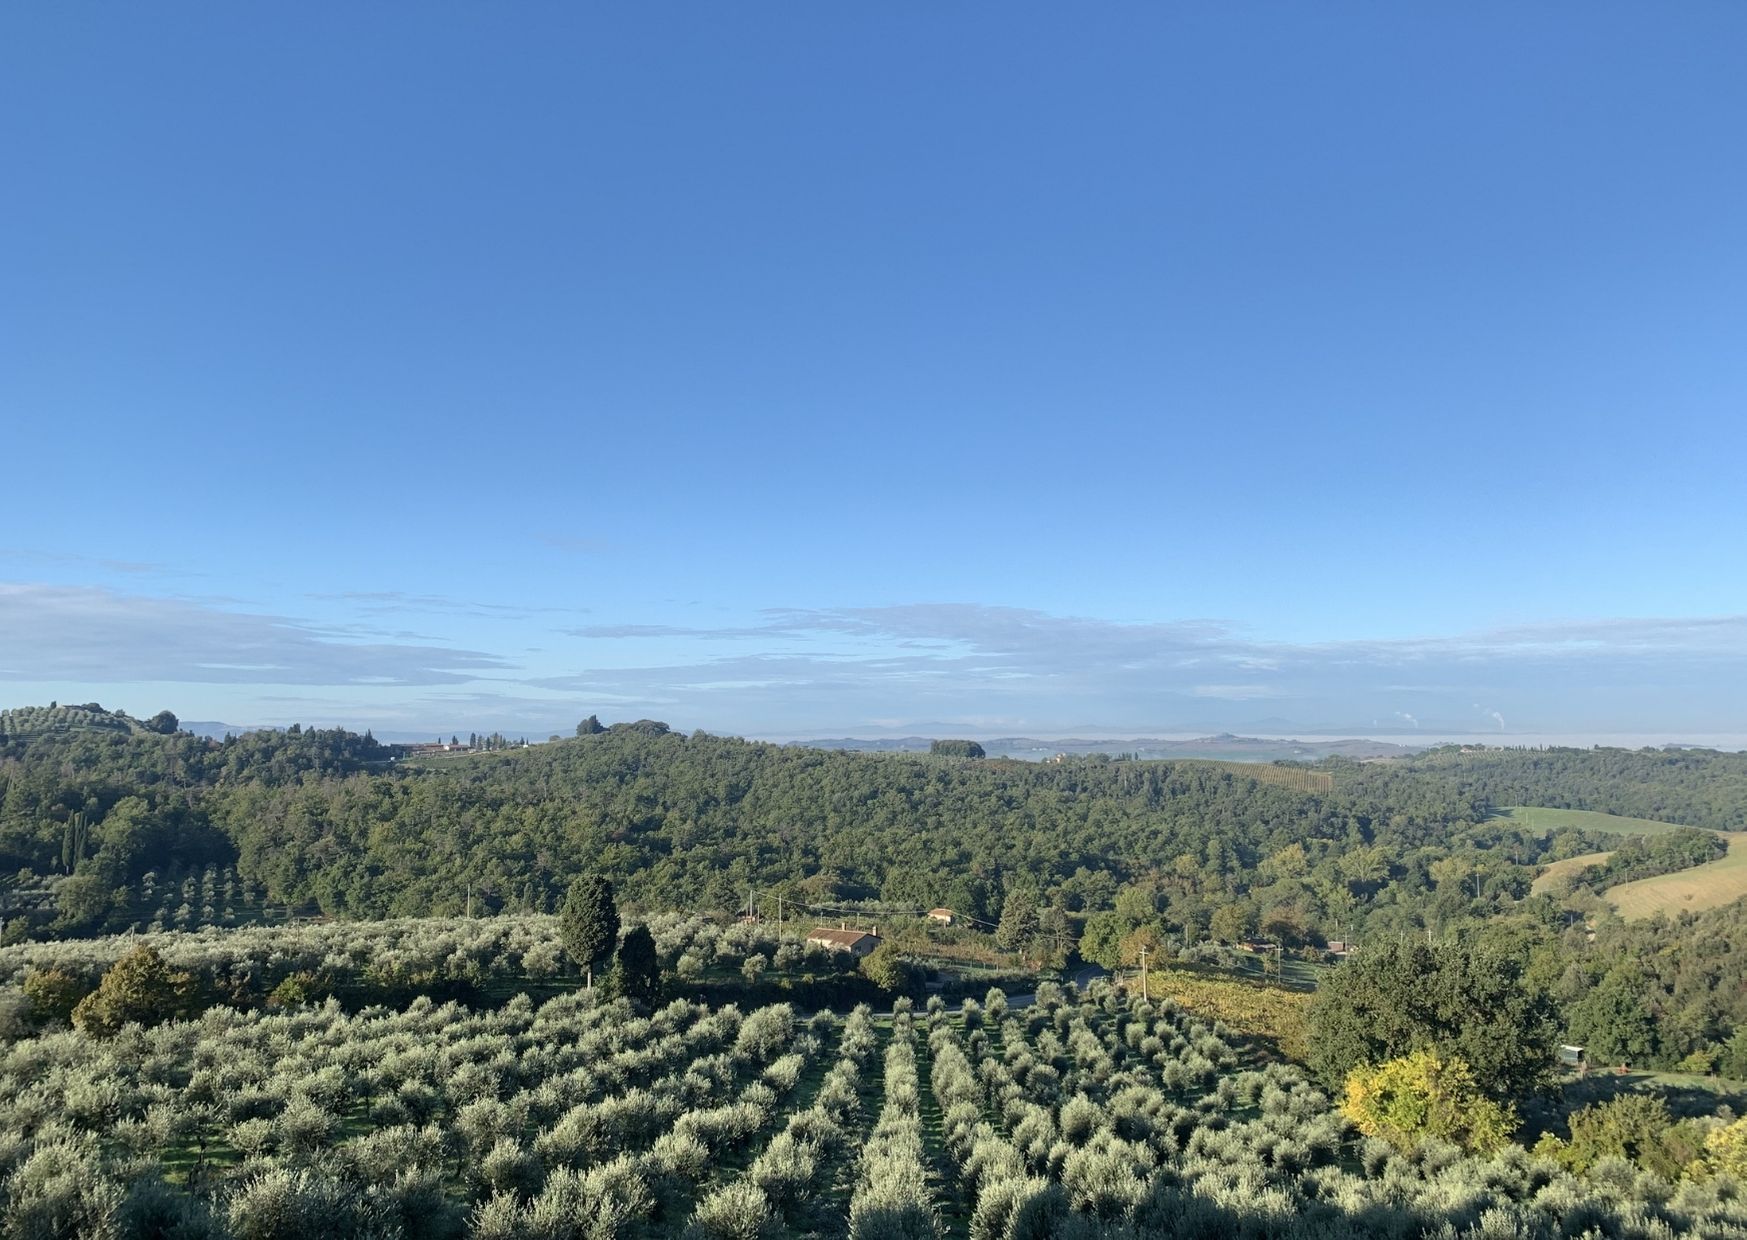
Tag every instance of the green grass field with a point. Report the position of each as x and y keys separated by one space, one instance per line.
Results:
x=1539 y=819
x=1710 y=885
x=1558 y=869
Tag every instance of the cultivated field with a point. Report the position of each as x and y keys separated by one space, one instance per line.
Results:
x=580 y=1119
x=1711 y=885
x=1536 y=818
x=1296 y=778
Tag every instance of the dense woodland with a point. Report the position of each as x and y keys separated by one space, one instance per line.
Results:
x=636 y=1062
x=1094 y=857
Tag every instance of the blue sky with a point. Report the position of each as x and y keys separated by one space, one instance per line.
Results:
x=786 y=369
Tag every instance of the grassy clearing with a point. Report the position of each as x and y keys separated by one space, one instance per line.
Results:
x=1536 y=818
x=1556 y=870
x=1706 y=886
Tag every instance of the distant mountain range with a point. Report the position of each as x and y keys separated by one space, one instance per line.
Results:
x=1224 y=747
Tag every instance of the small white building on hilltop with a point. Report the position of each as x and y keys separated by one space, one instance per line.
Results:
x=856 y=942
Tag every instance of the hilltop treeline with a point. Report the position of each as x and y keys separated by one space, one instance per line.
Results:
x=325 y=818
x=107 y=799
x=1695 y=787
x=701 y=819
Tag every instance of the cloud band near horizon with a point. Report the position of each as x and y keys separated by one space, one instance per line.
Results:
x=797 y=670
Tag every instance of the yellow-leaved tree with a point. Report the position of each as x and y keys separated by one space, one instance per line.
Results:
x=1725 y=1153
x=1423 y=1095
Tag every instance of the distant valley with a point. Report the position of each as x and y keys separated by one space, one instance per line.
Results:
x=1221 y=748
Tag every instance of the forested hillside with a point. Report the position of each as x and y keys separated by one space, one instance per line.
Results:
x=328 y=819
x=275 y=1072
x=699 y=820
x=109 y=823
x=1695 y=787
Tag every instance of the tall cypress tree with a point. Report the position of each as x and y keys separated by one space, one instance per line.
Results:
x=588 y=924
x=637 y=972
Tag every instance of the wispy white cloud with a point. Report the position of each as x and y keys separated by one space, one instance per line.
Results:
x=920 y=660
x=396 y=602
x=1235 y=693
x=793 y=669
x=92 y=635
x=133 y=568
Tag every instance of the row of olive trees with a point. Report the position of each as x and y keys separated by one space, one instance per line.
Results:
x=253 y=965
x=1241 y=1153
x=892 y=1199
x=511 y=1107
x=782 y=1190
x=511 y=945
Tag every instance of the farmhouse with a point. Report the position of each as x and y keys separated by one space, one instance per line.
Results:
x=942 y=915
x=855 y=942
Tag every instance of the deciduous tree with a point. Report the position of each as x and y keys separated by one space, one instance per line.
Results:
x=1472 y=1003
x=1403 y=1101
x=139 y=988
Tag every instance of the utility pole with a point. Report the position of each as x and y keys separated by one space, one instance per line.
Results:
x=1143 y=991
x=469 y=899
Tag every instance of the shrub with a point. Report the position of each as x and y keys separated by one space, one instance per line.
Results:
x=286 y=1204
x=54 y=993
x=252 y=1138
x=139 y=988
x=509 y=1168
x=1422 y=1095
x=305 y=1127
x=784 y=1171
x=1726 y=1151
x=62 y=1191
x=1105 y=1182
x=1019 y=1209
x=737 y=1211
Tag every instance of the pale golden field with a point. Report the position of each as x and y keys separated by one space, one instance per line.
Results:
x=1556 y=869
x=1711 y=885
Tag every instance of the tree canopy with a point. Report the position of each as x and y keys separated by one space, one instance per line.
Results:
x=1469 y=1002
x=957 y=749
x=588 y=924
